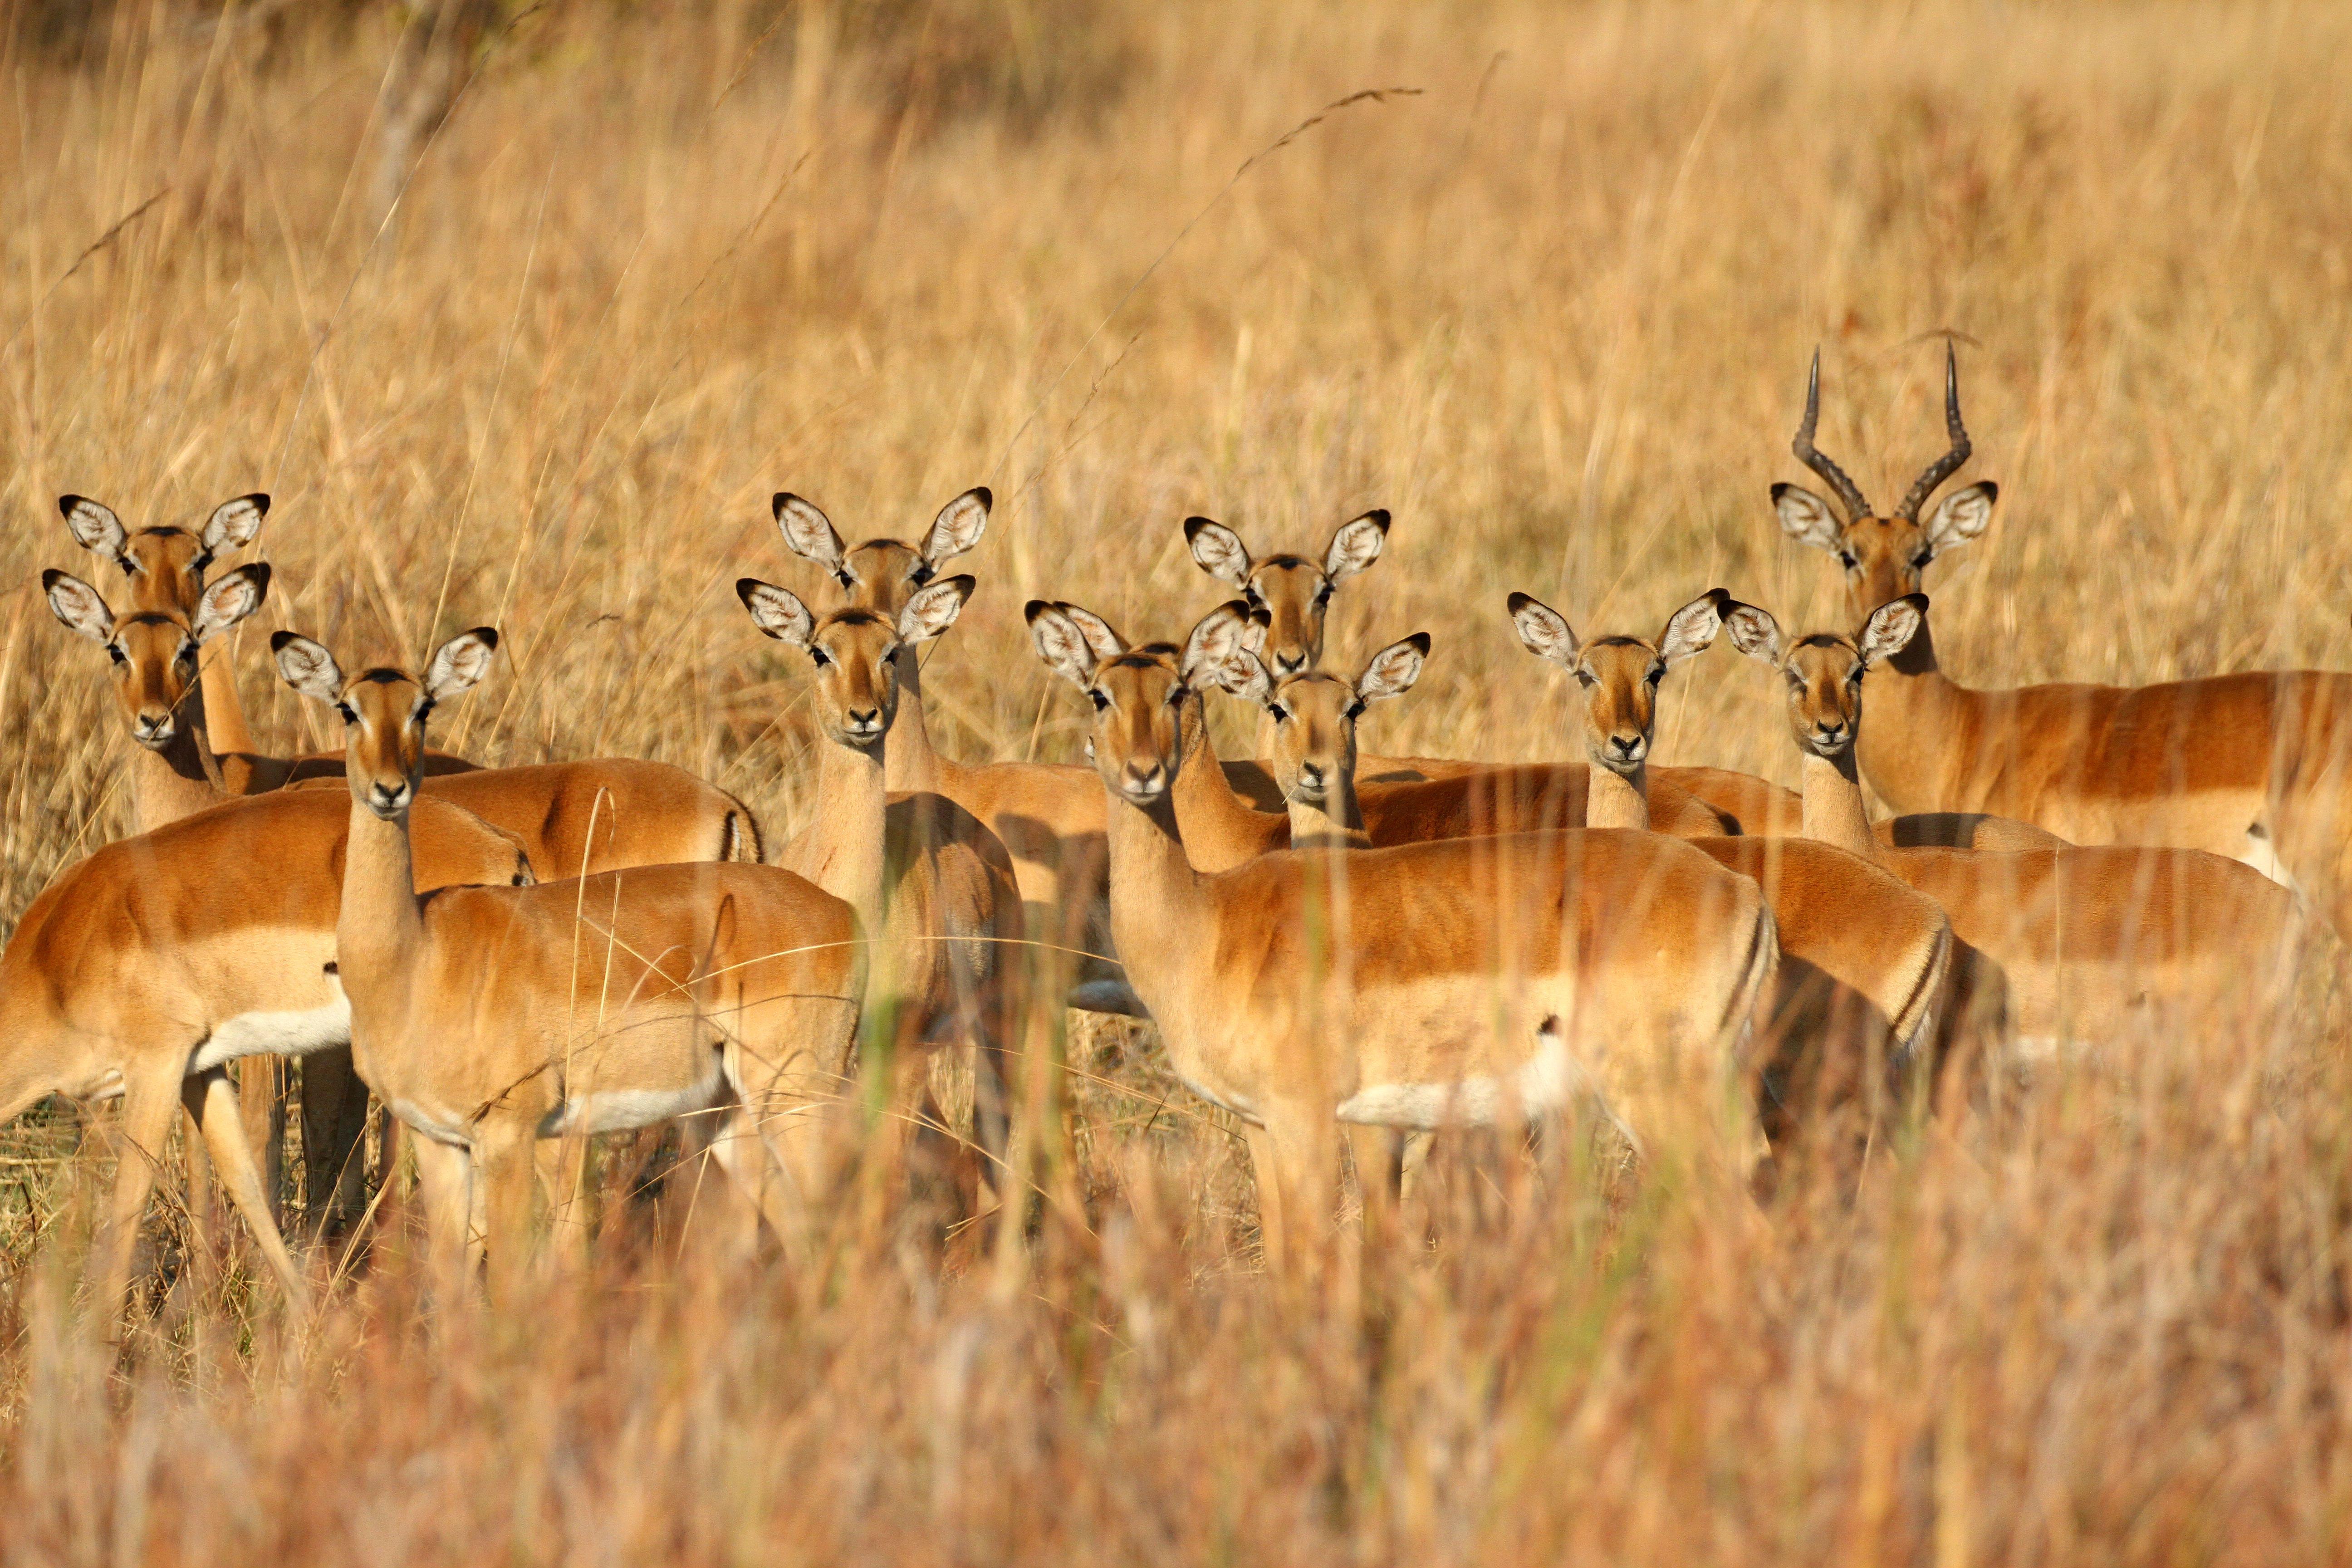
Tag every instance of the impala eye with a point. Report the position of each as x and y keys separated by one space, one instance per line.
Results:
x=114 y=651
x=1920 y=560
x=1657 y=673
x=1587 y=679
x=921 y=573
x=1323 y=595
x=349 y=714
x=819 y=656
x=1846 y=560
x=845 y=576
x=1101 y=699
x=423 y=709
x=1353 y=710
x=1281 y=714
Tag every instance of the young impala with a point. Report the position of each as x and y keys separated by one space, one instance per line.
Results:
x=149 y=969
x=932 y=885
x=1465 y=983
x=1290 y=597
x=572 y=817
x=2254 y=766
x=1866 y=969
x=2086 y=937
x=491 y=1017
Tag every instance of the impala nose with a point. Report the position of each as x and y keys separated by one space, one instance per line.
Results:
x=384 y=799
x=1310 y=778
x=1145 y=781
x=1625 y=749
x=1830 y=737
x=1286 y=661
x=152 y=727
x=865 y=722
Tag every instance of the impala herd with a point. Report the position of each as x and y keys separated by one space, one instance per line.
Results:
x=1330 y=941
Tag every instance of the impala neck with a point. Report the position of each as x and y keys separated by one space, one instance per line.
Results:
x=1834 y=812
x=1612 y=799
x=912 y=765
x=1158 y=909
x=381 y=929
x=183 y=778
x=1914 y=711
x=1220 y=828
x=841 y=850
x=224 y=711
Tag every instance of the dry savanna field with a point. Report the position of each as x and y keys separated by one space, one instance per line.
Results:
x=1547 y=296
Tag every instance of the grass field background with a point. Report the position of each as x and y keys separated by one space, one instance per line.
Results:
x=1550 y=300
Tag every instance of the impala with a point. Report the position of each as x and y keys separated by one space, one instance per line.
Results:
x=1865 y=962
x=490 y=1018
x=1439 y=984
x=145 y=970
x=1048 y=817
x=2252 y=766
x=1290 y=597
x=932 y=885
x=165 y=567
x=572 y=817
x=2085 y=936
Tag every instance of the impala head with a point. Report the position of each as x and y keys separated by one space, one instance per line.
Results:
x=165 y=566
x=881 y=575
x=154 y=651
x=1294 y=592
x=853 y=649
x=1138 y=694
x=384 y=710
x=1883 y=556
x=1315 y=713
x=1823 y=670
x=1620 y=676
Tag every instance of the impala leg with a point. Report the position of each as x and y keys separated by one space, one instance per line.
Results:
x=334 y=1122
x=213 y=1102
x=260 y=1082
x=445 y=1188
x=147 y=1108
x=508 y=1174
x=561 y=1163
x=1378 y=1152
x=1297 y=1163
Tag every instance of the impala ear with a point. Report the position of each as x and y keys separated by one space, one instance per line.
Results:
x=229 y=601
x=94 y=527
x=1690 y=631
x=1101 y=636
x=80 y=607
x=1061 y=644
x=234 y=524
x=1391 y=672
x=1961 y=516
x=1218 y=550
x=459 y=664
x=1216 y=637
x=1543 y=629
x=307 y=666
x=1753 y=632
x=1355 y=545
x=1807 y=518
x=1244 y=675
x=933 y=608
x=809 y=533
x=959 y=526
x=777 y=611
x=1891 y=627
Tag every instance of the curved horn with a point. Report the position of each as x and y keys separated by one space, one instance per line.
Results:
x=1942 y=467
x=1849 y=494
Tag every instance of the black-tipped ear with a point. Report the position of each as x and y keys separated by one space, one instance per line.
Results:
x=1543 y=631
x=79 y=606
x=1891 y=627
x=1218 y=550
x=776 y=611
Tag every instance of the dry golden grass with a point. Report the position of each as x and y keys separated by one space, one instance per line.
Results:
x=1554 y=312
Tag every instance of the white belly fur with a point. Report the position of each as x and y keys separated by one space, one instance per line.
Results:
x=1543 y=1083
x=274 y=1034
x=619 y=1110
